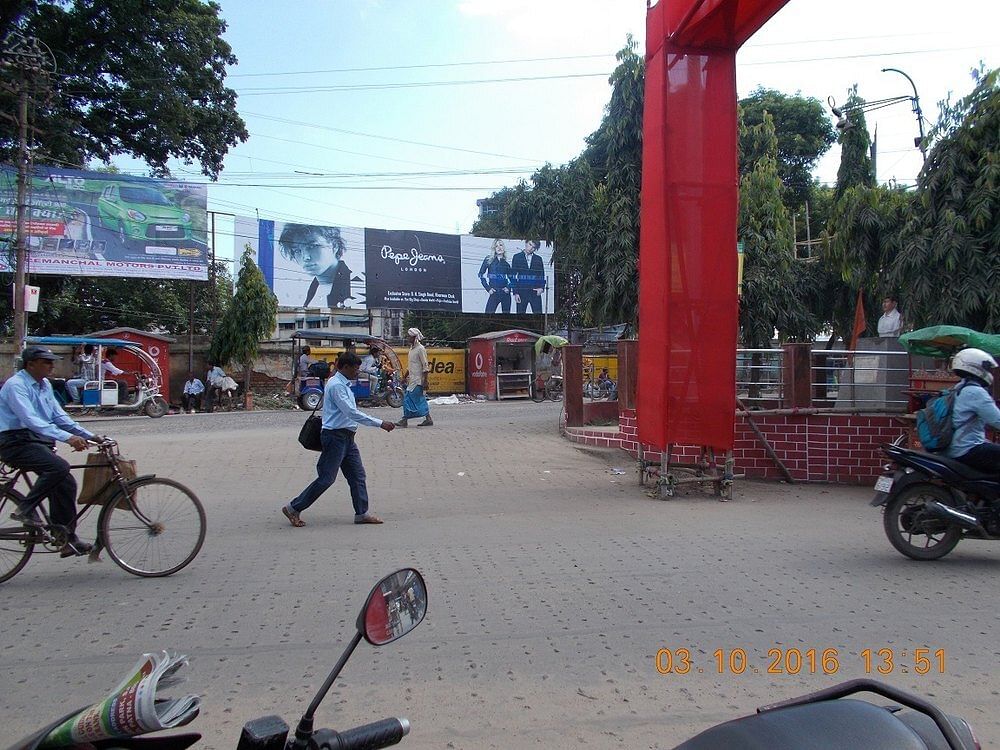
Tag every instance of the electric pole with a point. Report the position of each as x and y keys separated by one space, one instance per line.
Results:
x=30 y=62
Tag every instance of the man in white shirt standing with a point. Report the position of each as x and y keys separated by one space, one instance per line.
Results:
x=890 y=325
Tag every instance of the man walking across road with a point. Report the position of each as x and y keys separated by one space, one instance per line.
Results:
x=415 y=399
x=340 y=453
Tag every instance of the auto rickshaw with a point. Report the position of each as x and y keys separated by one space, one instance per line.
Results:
x=102 y=394
x=326 y=346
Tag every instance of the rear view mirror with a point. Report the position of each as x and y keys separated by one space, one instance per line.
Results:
x=395 y=606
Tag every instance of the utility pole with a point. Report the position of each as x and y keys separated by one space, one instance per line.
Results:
x=31 y=62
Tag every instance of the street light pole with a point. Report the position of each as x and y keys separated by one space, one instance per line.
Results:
x=915 y=101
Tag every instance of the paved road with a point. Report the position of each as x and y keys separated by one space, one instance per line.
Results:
x=553 y=583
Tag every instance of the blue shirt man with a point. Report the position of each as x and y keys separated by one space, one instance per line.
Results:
x=974 y=410
x=341 y=418
x=31 y=422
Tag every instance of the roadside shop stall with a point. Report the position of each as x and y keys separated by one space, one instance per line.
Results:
x=501 y=364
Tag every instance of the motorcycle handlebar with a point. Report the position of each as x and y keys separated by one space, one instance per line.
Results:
x=367 y=737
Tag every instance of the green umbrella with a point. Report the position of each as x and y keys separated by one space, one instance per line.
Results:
x=554 y=341
x=944 y=341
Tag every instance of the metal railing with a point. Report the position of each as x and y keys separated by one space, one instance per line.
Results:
x=758 y=377
x=865 y=379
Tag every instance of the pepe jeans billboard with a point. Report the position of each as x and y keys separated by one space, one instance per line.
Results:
x=310 y=266
x=96 y=224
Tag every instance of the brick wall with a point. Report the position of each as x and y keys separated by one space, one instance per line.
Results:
x=843 y=448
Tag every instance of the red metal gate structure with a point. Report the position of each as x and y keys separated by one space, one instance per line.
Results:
x=687 y=252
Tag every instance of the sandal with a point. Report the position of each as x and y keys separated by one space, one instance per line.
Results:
x=293 y=517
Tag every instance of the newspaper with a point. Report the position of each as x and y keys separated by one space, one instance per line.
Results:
x=133 y=707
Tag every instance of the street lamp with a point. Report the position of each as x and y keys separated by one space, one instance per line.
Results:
x=915 y=101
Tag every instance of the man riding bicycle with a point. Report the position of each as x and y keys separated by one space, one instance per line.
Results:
x=31 y=421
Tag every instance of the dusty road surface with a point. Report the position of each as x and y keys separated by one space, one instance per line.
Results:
x=554 y=584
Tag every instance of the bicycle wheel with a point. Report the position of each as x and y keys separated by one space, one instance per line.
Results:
x=16 y=542
x=158 y=533
x=555 y=391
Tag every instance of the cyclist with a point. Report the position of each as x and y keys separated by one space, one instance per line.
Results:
x=31 y=421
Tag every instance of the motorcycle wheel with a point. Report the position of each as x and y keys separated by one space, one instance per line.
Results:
x=394 y=396
x=913 y=530
x=156 y=407
x=311 y=401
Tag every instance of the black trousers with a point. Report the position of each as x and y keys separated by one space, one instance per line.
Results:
x=530 y=299
x=985 y=457
x=54 y=478
x=191 y=398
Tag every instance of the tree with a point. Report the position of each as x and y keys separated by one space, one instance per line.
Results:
x=804 y=134
x=589 y=208
x=855 y=148
x=949 y=247
x=862 y=233
x=138 y=77
x=249 y=319
x=769 y=299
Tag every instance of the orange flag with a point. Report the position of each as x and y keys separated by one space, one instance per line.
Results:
x=859 y=321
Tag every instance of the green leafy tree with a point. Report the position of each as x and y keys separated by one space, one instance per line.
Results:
x=948 y=257
x=249 y=319
x=863 y=228
x=804 y=134
x=770 y=283
x=855 y=147
x=138 y=77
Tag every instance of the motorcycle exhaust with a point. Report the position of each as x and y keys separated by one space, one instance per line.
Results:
x=962 y=519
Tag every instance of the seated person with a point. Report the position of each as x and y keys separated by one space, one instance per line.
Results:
x=974 y=409
x=109 y=368
x=191 y=399
x=370 y=366
x=87 y=363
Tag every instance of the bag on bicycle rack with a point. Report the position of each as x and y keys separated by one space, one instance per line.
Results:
x=309 y=435
x=96 y=489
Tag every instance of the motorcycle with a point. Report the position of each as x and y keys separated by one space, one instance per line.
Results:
x=932 y=502
x=395 y=606
x=824 y=720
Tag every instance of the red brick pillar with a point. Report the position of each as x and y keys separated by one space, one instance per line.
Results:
x=628 y=373
x=572 y=357
x=797 y=375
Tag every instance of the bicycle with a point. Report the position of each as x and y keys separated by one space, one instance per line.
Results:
x=150 y=526
x=551 y=388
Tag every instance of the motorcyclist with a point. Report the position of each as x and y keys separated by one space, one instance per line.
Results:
x=974 y=409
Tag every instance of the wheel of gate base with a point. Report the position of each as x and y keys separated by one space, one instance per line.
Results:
x=915 y=531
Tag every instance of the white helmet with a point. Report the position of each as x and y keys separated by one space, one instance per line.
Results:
x=974 y=362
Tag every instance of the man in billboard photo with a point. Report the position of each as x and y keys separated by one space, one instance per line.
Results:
x=319 y=251
x=528 y=273
x=494 y=274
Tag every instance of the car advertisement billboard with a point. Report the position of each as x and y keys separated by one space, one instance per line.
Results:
x=100 y=224
x=323 y=267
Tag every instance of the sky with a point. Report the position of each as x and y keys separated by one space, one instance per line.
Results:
x=400 y=115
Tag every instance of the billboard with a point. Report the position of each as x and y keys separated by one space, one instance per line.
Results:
x=313 y=266
x=96 y=224
x=307 y=265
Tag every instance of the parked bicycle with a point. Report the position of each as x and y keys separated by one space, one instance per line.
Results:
x=550 y=388
x=150 y=526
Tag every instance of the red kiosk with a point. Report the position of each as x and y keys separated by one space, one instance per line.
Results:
x=501 y=364
x=155 y=344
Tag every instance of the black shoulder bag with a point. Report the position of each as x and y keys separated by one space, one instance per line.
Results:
x=309 y=435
